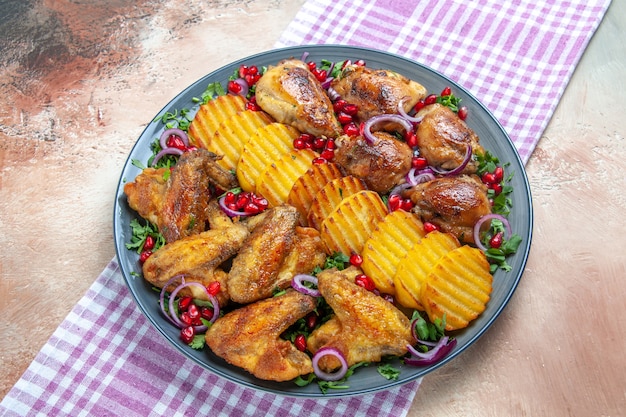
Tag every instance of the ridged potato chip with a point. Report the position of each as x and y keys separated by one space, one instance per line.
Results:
x=350 y=224
x=330 y=196
x=231 y=136
x=211 y=115
x=306 y=187
x=276 y=180
x=264 y=147
x=388 y=245
x=459 y=286
x=417 y=264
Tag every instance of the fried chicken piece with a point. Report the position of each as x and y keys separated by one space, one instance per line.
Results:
x=197 y=258
x=443 y=138
x=177 y=205
x=381 y=165
x=274 y=252
x=291 y=94
x=377 y=91
x=365 y=327
x=453 y=203
x=249 y=337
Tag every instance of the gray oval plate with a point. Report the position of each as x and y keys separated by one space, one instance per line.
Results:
x=366 y=379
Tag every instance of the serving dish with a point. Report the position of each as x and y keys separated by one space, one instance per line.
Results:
x=366 y=379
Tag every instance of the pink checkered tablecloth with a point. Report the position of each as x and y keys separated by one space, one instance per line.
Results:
x=105 y=359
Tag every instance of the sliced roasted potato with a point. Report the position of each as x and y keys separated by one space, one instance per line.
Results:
x=306 y=187
x=416 y=265
x=330 y=196
x=278 y=178
x=232 y=134
x=211 y=115
x=348 y=226
x=458 y=286
x=265 y=146
x=387 y=245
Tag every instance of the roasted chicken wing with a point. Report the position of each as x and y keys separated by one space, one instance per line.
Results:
x=381 y=165
x=291 y=94
x=443 y=138
x=377 y=91
x=274 y=252
x=197 y=258
x=453 y=203
x=365 y=327
x=177 y=205
x=249 y=337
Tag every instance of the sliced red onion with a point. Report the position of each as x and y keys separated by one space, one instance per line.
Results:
x=405 y=114
x=434 y=355
x=333 y=94
x=327 y=82
x=384 y=118
x=298 y=284
x=330 y=376
x=230 y=212
x=212 y=299
x=305 y=55
x=485 y=218
x=245 y=88
x=166 y=151
x=173 y=131
x=416 y=176
x=460 y=168
x=162 y=297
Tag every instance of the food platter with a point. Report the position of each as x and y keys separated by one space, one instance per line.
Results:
x=366 y=379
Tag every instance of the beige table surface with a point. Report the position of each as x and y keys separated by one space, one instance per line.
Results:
x=79 y=83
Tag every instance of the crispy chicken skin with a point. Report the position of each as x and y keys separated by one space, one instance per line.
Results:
x=381 y=165
x=443 y=138
x=198 y=258
x=249 y=337
x=291 y=94
x=177 y=205
x=365 y=327
x=274 y=252
x=377 y=91
x=453 y=203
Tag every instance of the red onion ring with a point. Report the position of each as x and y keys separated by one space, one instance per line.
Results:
x=212 y=299
x=460 y=168
x=162 y=297
x=434 y=355
x=482 y=220
x=173 y=131
x=329 y=376
x=230 y=212
x=333 y=94
x=405 y=114
x=390 y=118
x=298 y=285
x=166 y=151
x=415 y=176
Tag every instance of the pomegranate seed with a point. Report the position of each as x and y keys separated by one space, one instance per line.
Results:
x=496 y=187
x=351 y=129
x=234 y=87
x=488 y=178
x=498 y=173
x=311 y=321
x=320 y=74
x=261 y=202
x=230 y=198
x=174 y=141
x=419 y=162
x=430 y=227
x=431 y=99
x=446 y=91
x=330 y=144
x=356 y=259
x=339 y=105
x=251 y=208
x=327 y=154
x=253 y=70
x=184 y=303
x=243 y=70
x=307 y=137
x=149 y=243
x=312 y=65
x=360 y=63
x=206 y=313
x=185 y=318
x=143 y=257
x=319 y=143
x=242 y=200
x=214 y=288
x=406 y=204
x=462 y=113
x=394 y=202
x=344 y=118
x=187 y=334
x=300 y=342
x=319 y=161
x=299 y=143
x=364 y=281
x=419 y=105
x=350 y=109
x=193 y=311
x=496 y=240
x=252 y=106
x=411 y=139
